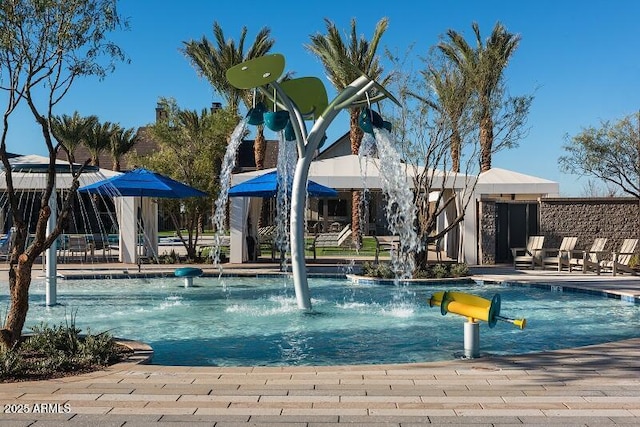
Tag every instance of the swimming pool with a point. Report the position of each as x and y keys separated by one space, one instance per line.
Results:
x=255 y=321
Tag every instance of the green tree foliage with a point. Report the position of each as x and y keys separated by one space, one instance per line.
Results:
x=191 y=148
x=212 y=62
x=44 y=47
x=501 y=118
x=72 y=131
x=98 y=139
x=610 y=152
x=345 y=60
x=122 y=141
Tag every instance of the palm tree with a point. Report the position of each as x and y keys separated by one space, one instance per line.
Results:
x=213 y=61
x=99 y=140
x=72 y=131
x=483 y=67
x=452 y=99
x=121 y=142
x=343 y=63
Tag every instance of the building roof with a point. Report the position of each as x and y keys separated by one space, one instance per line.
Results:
x=347 y=173
x=38 y=180
x=503 y=181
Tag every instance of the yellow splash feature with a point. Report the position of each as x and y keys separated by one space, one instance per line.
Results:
x=472 y=307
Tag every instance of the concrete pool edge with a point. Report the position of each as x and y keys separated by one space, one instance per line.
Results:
x=142 y=352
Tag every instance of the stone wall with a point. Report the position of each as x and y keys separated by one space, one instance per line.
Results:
x=488 y=229
x=613 y=218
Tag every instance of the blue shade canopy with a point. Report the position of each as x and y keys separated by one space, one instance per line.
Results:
x=266 y=185
x=143 y=183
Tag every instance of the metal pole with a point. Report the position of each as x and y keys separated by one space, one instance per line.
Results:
x=299 y=189
x=50 y=255
x=471 y=339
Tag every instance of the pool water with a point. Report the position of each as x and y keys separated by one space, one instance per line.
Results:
x=256 y=322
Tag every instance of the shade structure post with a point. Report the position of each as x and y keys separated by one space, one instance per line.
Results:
x=51 y=270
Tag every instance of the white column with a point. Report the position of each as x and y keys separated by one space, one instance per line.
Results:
x=128 y=228
x=237 y=223
x=469 y=233
x=150 y=221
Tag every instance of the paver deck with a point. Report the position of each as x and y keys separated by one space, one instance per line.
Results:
x=587 y=386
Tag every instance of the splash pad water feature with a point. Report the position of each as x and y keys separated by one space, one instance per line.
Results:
x=299 y=100
x=249 y=321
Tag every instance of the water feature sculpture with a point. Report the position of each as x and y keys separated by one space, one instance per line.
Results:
x=304 y=99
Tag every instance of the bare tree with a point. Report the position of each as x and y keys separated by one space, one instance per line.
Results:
x=45 y=47
x=594 y=188
x=610 y=153
x=443 y=179
x=437 y=130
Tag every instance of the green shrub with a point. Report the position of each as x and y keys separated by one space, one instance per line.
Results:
x=459 y=270
x=381 y=270
x=634 y=262
x=440 y=271
x=11 y=363
x=437 y=271
x=55 y=350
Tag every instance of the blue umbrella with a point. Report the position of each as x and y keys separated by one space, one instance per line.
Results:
x=266 y=185
x=143 y=183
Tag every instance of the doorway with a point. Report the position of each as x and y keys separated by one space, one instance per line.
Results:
x=515 y=222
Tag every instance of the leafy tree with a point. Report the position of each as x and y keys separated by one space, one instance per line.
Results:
x=451 y=98
x=483 y=68
x=98 y=139
x=45 y=47
x=344 y=61
x=610 y=153
x=122 y=141
x=71 y=131
x=191 y=148
x=213 y=61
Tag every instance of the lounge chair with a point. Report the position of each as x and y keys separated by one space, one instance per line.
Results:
x=620 y=259
x=330 y=240
x=266 y=239
x=6 y=242
x=386 y=243
x=588 y=260
x=529 y=256
x=76 y=245
x=557 y=257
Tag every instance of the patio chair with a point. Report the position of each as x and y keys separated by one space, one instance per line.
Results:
x=529 y=256
x=386 y=243
x=266 y=240
x=6 y=242
x=620 y=259
x=588 y=260
x=76 y=245
x=557 y=257
x=330 y=240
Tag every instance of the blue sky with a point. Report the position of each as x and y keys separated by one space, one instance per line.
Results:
x=579 y=59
